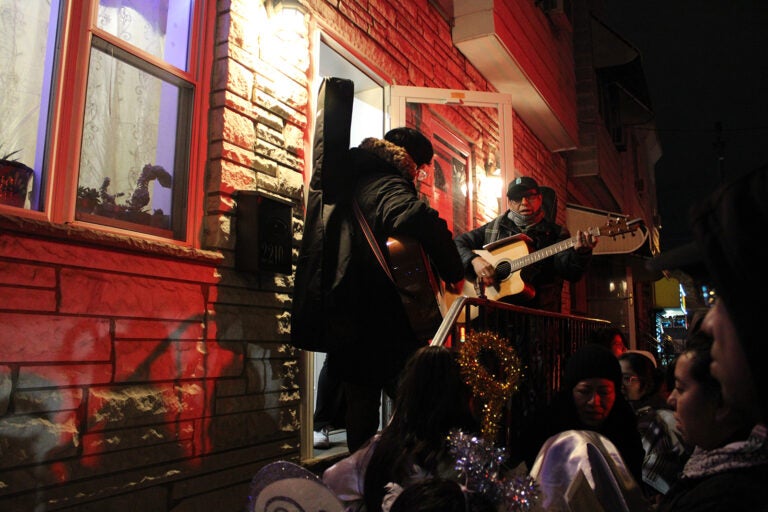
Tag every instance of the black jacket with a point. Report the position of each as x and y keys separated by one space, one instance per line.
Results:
x=737 y=490
x=368 y=310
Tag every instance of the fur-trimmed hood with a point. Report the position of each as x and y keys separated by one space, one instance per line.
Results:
x=392 y=154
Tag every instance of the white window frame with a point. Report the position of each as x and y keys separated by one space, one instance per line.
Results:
x=400 y=95
x=63 y=137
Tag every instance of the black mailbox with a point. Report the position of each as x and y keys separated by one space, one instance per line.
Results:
x=264 y=233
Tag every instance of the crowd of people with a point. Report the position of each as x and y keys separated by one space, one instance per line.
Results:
x=700 y=446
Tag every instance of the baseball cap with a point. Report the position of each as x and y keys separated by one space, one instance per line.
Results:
x=519 y=186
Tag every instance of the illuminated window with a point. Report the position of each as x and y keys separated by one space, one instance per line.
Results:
x=100 y=121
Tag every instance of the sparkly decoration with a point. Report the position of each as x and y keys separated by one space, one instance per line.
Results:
x=493 y=391
x=479 y=465
x=520 y=493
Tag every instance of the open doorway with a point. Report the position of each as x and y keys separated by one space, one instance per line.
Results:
x=472 y=135
x=325 y=405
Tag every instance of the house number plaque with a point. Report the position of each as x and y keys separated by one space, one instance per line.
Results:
x=264 y=233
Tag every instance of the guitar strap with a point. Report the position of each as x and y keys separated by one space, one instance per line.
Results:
x=492 y=232
x=372 y=241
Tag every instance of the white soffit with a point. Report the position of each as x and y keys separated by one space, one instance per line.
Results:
x=475 y=36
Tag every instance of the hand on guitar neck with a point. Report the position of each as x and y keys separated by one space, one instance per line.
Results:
x=584 y=241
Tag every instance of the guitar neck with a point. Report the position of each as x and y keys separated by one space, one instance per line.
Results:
x=539 y=255
x=546 y=252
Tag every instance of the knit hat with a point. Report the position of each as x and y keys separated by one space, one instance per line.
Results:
x=414 y=142
x=592 y=361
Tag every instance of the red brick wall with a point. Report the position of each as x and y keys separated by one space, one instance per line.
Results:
x=136 y=375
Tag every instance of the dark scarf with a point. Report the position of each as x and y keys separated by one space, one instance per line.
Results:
x=523 y=222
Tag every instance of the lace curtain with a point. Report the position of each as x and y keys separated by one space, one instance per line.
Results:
x=123 y=103
x=24 y=26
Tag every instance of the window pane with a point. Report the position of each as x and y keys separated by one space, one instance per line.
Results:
x=159 y=27
x=28 y=39
x=129 y=164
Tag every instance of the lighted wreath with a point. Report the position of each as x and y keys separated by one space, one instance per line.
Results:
x=493 y=391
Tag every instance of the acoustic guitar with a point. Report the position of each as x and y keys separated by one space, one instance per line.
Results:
x=511 y=254
x=421 y=292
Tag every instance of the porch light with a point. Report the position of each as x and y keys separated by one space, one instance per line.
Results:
x=288 y=7
x=287 y=17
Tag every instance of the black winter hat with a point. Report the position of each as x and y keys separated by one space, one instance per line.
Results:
x=589 y=362
x=414 y=142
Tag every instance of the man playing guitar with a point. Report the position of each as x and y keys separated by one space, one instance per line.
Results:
x=527 y=219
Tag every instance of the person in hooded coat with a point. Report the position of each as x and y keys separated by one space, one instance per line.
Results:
x=369 y=319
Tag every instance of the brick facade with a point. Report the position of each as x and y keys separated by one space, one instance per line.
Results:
x=136 y=375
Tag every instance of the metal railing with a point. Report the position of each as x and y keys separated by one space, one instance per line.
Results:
x=542 y=340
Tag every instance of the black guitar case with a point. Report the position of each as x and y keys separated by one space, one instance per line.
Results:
x=328 y=227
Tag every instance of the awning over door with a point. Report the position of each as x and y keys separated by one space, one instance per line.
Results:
x=619 y=66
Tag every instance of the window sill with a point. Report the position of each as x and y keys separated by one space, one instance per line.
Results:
x=82 y=235
x=140 y=227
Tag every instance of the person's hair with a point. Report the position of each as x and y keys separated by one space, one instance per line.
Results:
x=604 y=336
x=699 y=345
x=438 y=494
x=431 y=495
x=414 y=142
x=432 y=399
x=645 y=370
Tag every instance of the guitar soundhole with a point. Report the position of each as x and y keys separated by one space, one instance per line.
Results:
x=502 y=271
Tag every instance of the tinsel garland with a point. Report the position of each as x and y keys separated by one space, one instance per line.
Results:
x=479 y=465
x=493 y=392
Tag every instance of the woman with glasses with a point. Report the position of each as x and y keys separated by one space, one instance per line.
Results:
x=665 y=453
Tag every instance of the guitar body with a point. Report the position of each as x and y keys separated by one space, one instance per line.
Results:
x=420 y=290
x=507 y=283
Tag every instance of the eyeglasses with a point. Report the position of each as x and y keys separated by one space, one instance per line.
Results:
x=587 y=392
x=422 y=171
x=529 y=196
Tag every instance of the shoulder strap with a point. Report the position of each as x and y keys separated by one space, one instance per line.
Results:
x=492 y=232
x=372 y=240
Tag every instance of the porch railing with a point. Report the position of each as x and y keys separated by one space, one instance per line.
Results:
x=542 y=340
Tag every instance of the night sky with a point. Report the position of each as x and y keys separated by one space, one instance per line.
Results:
x=706 y=62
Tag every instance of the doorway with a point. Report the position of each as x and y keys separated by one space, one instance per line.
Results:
x=472 y=135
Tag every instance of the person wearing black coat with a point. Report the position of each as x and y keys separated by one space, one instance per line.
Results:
x=593 y=379
x=379 y=336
